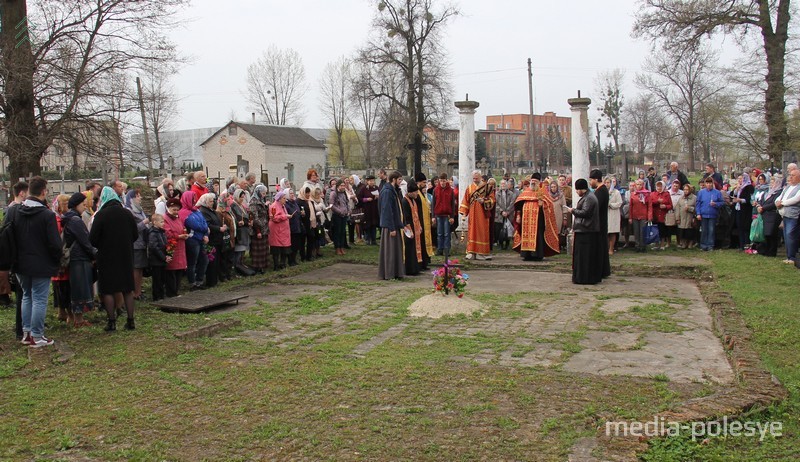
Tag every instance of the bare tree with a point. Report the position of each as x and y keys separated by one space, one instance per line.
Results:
x=276 y=83
x=367 y=109
x=54 y=58
x=406 y=45
x=686 y=22
x=609 y=87
x=335 y=102
x=680 y=80
x=160 y=104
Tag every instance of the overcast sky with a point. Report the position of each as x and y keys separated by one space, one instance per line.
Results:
x=569 y=41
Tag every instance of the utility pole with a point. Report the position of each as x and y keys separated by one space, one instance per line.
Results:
x=599 y=146
x=146 y=136
x=531 y=135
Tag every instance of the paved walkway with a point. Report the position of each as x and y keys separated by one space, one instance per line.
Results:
x=637 y=326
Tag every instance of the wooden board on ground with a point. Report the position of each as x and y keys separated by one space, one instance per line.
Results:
x=194 y=302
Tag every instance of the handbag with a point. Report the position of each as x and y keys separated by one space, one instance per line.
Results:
x=651 y=234
x=757 y=230
x=357 y=215
x=670 y=219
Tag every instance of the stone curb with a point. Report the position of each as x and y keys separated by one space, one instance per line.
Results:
x=208 y=330
x=755 y=387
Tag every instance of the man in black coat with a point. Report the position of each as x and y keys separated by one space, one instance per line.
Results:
x=38 y=259
x=601 y=193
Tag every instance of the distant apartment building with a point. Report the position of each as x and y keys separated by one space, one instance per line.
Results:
x=443 y=149
x=507 y=139
x=182 y=145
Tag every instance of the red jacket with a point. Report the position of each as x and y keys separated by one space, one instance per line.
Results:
x=659 y=214
x=444 y=201
x=641 y=207
x=199 y=190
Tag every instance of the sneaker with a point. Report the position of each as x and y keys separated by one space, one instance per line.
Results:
x=41 y=342
x=26 y=338
x=480 y=257
x=487 y=257
x=470 y=256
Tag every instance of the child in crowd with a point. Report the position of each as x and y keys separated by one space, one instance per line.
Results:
x=157 y=255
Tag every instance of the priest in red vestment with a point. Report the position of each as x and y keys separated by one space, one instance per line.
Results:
x=476 y=206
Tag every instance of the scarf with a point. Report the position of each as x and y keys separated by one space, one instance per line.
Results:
x=258 y=198
x=555 y=195
x=135 y=208
x=106 y=196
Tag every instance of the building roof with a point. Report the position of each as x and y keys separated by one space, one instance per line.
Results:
x=274 y=135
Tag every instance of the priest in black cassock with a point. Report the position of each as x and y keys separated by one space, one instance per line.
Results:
x=601 y=193
x=412 y=232
x=585 y=228
x=390 y=265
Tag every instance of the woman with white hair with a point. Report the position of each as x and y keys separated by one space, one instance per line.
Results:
x=260 y=225
x=216 y=228
x=196 y=257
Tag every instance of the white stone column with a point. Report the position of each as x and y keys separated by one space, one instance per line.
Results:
x=466 y=146
x=580 y=139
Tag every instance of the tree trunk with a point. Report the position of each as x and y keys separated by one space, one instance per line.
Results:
x=22 y=134
x=774 y=101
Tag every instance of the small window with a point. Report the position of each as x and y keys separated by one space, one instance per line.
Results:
x=232 y=130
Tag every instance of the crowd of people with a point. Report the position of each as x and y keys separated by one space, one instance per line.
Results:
x=104 y=241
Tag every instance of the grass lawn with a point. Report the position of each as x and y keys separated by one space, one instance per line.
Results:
x=146 y=395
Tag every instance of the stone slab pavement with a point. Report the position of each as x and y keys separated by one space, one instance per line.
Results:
x=636 y=326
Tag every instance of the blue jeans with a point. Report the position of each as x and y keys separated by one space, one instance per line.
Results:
x=708 y=225
x=35 y=292
x=442 y=232
x=790 y=237
x=196 y=261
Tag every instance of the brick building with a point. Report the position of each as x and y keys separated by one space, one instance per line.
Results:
x=507 y=139
x=283 y=152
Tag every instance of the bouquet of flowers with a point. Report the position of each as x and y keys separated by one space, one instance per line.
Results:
x=211 y=252
x=448 y=279
x=171 y=244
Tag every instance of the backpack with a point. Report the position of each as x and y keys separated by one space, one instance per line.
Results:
x=8 y=241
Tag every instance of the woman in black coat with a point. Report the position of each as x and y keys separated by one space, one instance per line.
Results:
x=81 y=256
x=216 y=228
x=772 y=220
x=113 y=234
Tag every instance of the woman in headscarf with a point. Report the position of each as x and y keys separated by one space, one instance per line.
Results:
x=614 y=213
x=176 y=247
x=354 y=231
x=133 y=202
x=61 y=289
x=216 y=229
x=81 y=255
x=662 y=203
x=163 y=193
x=772 y=219
x=260 y=225
x=743 y=209
x=295 y=225
x=280 y=238
x=228 y=236
x=685 y=211
x=239 y=209
x=311 y=223
x=196 y=258
x=113 y=234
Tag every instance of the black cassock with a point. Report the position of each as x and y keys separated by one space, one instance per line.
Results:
x=586 y=262
x=601 y=193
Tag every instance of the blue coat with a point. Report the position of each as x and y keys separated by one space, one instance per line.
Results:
x=197 y=223
x=704 y=207
x=390 y=209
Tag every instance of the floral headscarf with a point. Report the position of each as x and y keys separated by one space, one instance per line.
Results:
x=106 y=196
x=260 y=195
